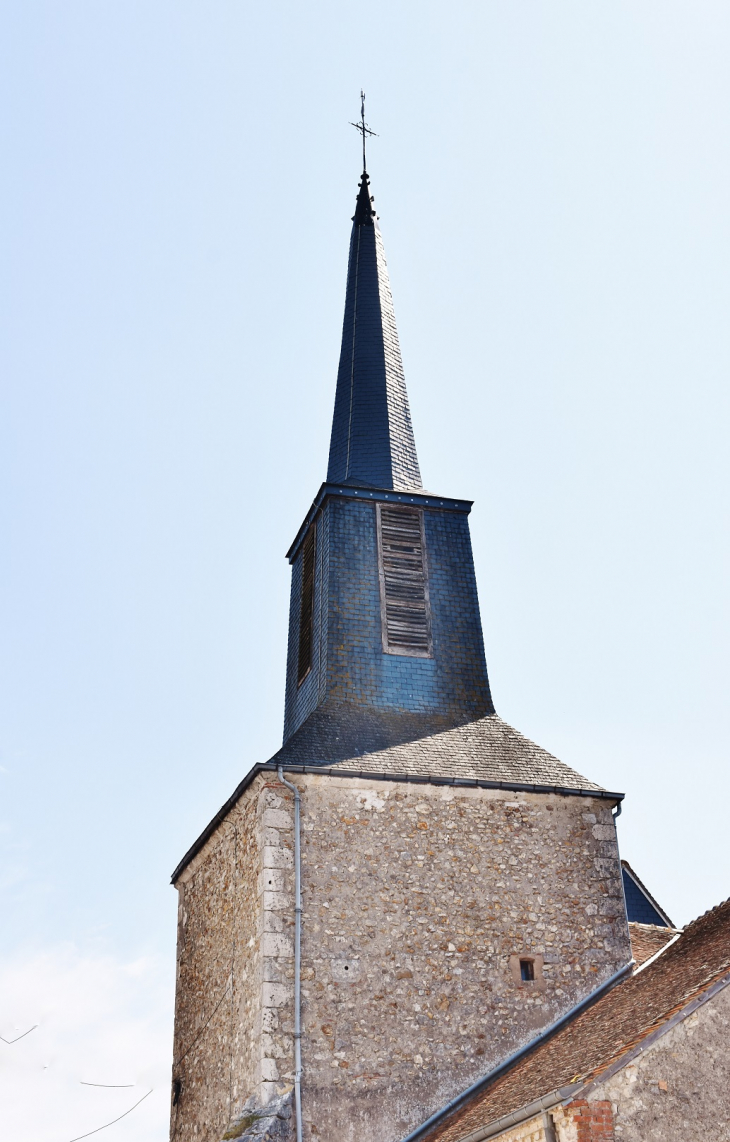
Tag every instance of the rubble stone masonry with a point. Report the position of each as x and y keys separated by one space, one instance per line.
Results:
x=233 y=1013
x=418 y=902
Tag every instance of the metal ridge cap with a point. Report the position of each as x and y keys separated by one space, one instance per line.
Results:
x=481 y=1083
x=376 y=495
x=398 y=495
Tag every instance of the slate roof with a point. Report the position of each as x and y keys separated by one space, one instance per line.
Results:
x=355 y=739
x=372 y=443
x=339 y=739
x=640 y=904
x=604 y=1036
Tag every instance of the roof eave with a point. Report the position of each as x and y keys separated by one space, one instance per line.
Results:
x=375 y=495
x=402 y=778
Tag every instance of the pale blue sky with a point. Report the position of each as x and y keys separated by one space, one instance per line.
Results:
x=553 y=181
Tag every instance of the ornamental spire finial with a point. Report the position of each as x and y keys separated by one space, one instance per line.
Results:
x=363 y=128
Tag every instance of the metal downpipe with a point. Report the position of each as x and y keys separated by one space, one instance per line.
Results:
x=297 y=954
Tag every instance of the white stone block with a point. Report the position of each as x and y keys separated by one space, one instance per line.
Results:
x=277 y=901
x=269 y=1070
x=268 y=1091
x=276 y=994
x=272 y=880
x=603 y=832
x=277 y=819
x=272 y=837
x=278 y=857
x=275 y=944
x=270 y=1019
x=276 y=1046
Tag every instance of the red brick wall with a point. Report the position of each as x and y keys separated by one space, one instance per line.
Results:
x=593 y=1120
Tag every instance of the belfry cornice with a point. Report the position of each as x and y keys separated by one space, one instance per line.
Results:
x=416 y=497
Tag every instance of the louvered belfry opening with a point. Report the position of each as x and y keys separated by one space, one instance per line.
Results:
x=404 y=603
x=306 y=610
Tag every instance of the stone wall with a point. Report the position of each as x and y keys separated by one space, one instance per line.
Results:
x=417 y=899
x=235 y=967
x=679 y=1088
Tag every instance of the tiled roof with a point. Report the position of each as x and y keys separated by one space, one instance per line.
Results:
x=602 y=1034
x=647 y=939
x=357 y=739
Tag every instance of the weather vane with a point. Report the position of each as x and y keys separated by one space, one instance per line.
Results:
x=363 y=128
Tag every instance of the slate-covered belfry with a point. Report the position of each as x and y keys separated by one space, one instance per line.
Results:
x=460 y=886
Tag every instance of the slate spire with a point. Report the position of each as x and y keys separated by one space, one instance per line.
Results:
x=372 y=441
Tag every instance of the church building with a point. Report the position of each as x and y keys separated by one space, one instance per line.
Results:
x=410 y=890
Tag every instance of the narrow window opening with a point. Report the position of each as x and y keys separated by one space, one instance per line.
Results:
x=527 y=970
x=404 y=601
x=306 y=610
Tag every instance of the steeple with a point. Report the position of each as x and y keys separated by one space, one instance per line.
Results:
x=385 y=639
x=419 y=817
x=372 y=441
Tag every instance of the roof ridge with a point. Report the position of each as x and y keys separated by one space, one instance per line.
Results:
x=704 y=916
x=654 y=927
x=659 y=952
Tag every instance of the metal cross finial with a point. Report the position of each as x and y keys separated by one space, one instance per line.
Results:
x=363 y=128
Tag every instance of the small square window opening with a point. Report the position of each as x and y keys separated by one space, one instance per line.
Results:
x=527 y=970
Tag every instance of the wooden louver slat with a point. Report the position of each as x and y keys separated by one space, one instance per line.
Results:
x=306 y=611
x=403 y=585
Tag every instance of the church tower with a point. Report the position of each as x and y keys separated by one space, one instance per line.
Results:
x=409 y=889
x=385 y=640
